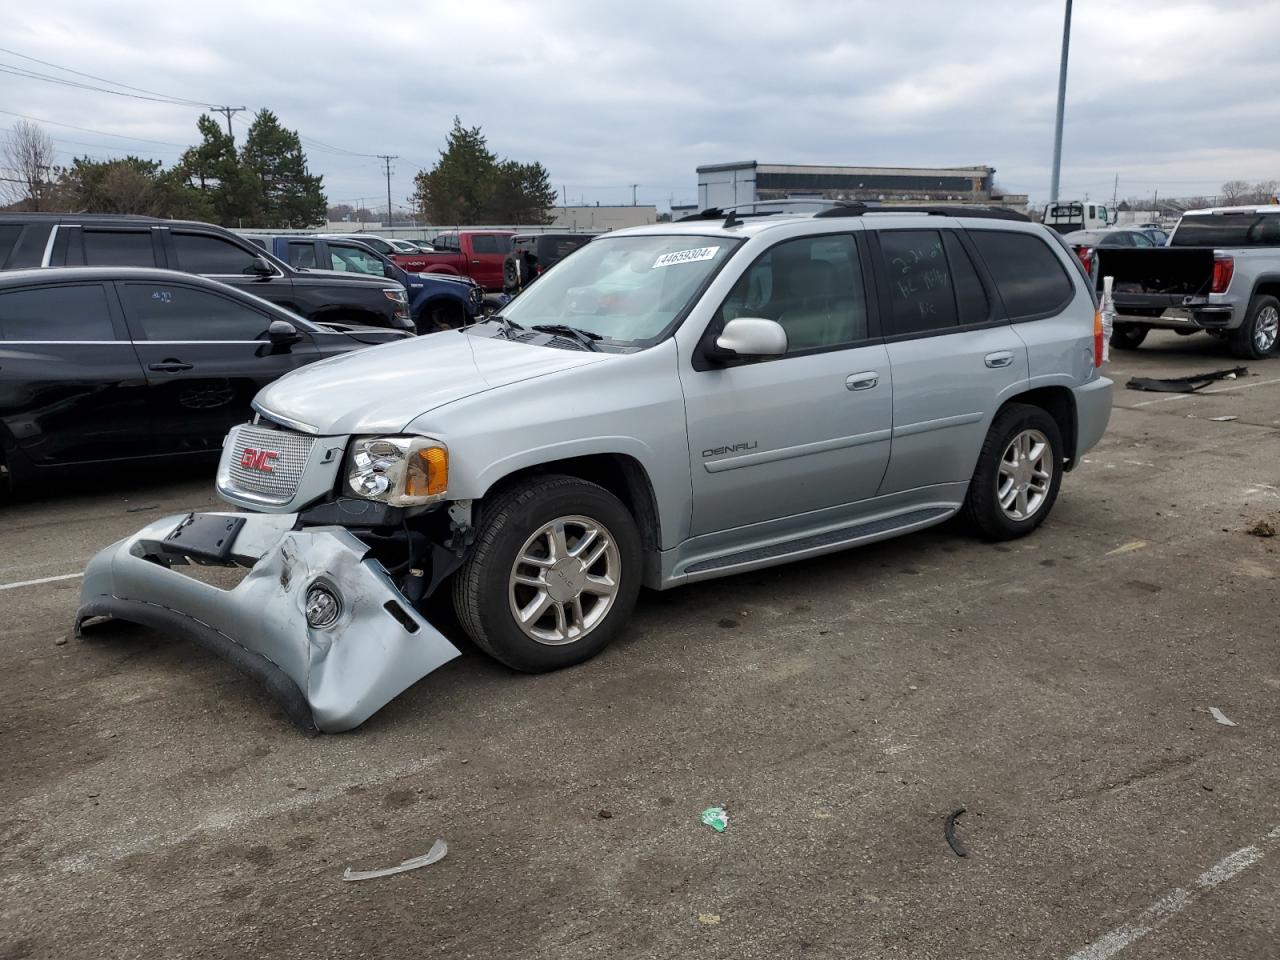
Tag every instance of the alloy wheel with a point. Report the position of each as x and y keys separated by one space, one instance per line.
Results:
x=1265 y=329
x=1025 y=475
x=564 y=580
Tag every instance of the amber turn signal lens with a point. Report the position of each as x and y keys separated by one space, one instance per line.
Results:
x=429 y=476
x=1097 y=338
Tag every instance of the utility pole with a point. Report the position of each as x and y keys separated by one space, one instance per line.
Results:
x=633 y=193
x=1115 y=192
x=228 y=111
x=1062 y=96
x=386 y=158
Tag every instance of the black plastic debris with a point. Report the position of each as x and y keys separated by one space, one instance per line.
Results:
x=1197 y=381
x=949 y=831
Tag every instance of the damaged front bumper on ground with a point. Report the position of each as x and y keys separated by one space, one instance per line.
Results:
x=330 y=677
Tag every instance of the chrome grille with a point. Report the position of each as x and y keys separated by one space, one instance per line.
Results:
x=281 y=483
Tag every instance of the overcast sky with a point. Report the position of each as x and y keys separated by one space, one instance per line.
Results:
x=1174 y=97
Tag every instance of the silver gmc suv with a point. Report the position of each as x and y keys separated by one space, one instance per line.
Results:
x=667 y=404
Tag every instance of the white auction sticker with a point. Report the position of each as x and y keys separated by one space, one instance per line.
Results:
x=686 y=256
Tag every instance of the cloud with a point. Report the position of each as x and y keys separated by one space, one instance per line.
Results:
x=1171 y=96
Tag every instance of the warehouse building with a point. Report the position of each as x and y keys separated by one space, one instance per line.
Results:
x=733 y=184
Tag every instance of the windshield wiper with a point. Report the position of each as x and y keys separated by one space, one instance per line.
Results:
x=507 y=325
x=585 y=337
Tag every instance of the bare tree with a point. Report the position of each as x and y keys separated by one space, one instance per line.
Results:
x=1265 y=191
x=27 y=158
x=1234 y=191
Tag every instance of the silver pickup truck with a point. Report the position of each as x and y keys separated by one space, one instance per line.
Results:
x=1220 y=273
x=668 y=404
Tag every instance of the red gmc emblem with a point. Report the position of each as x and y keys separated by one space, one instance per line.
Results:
x=253 y=459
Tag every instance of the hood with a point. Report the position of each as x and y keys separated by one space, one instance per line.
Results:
x=383 y=388
x=329 y=276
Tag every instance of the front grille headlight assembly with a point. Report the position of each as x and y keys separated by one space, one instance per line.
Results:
x=400 y=471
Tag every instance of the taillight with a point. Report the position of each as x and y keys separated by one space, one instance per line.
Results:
x=1097 y=338
x=1086 y=257
x=1223 y=269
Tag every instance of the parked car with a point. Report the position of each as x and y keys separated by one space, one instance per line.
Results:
x=111 y=364
x=1085 y=242
x=74 y=240
x=477 y=254
x=533 y=253
x=436 y=301
x=672 y=403
x=1220 y=273
x=410 y=260
x=404 y=246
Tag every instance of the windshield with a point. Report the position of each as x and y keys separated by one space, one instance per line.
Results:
x=625 y=289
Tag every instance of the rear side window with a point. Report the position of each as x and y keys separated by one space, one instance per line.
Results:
x=118 y=248
x=71 y=312
x=171 y=312
x=1028 y=274
x=489 y=243
x=203 y=253
x=921 y=297
x=302 y=254
x=1228 y=230
x=971 y=298
x=9 y=233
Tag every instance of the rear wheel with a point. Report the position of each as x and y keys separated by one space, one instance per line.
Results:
x=553 y=576
x=443 y=316
x=1128 y=336
x=1256 y=338
x=1019 y=471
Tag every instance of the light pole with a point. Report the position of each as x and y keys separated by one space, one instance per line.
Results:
x=1062 y=96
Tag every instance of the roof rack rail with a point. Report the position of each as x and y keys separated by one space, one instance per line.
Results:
x=731 y=216
x=983 y=213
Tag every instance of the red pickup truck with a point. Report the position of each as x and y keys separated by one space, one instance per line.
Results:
x=477 y=254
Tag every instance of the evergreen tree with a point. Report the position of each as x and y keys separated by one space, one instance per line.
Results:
x=522 y=194
x=128 y=185
x=459 y=187
x=284 y=193
x=213 y=168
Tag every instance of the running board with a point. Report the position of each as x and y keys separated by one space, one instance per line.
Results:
x=831 y=540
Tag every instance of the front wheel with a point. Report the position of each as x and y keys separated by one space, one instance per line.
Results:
x=443 y=316
x=1128 y=336
x=553 y=576
x=1019 y=471
x=1256 y=337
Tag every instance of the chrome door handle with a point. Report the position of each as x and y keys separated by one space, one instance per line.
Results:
x=862 y=381
x=1002 y=359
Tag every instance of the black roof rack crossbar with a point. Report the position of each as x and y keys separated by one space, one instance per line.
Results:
x=729 y=216
x=983 y=213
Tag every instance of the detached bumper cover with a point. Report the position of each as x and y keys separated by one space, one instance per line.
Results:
x=332 y=678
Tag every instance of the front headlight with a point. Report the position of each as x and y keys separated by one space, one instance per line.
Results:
x=400 y=471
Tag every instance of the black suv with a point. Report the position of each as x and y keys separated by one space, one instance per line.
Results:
x=78 y=240
x=532 y=254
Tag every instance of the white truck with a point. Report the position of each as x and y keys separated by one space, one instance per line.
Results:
x=1073 y=215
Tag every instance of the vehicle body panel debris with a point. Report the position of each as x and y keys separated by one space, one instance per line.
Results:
x=1226 y=419
x=1221 y=717
x=717 y=818
x=434 y=855
x=949 y=831
x=1190 y=384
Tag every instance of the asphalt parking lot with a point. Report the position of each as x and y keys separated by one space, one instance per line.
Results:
x=1059 y=688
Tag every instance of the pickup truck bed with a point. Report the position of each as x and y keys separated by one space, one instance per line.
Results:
x=1163 y=286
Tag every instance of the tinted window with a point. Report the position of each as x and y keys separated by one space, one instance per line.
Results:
x=971 y=298
x=1027 y=272
x=489 y=243
x=446 y=241
x=118 y=248
x=920 y=287
x=812 y=286
x=169 y=312
x=202 y=253
x=77 y=312
x=381 y=246
x=354 y=260
x=1141 y=240
x=1116 y=240
x=1228 y=230
x=9 y=233
x=302 y=254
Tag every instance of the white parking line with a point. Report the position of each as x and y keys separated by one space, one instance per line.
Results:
x=1228 y=868
x=1200 y=393
x=33 y=583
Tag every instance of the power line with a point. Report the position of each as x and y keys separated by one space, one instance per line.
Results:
x=32 y=75
x=79 y=73
x=100 y=133
x=228 y=111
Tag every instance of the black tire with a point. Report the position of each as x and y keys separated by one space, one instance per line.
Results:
x=1128 y=336
x=982 y=506
x=1263 y=309
x=482 y=589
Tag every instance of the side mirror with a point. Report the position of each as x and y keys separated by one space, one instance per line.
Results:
x=749 y=338
x=282 y=333
x=261 y=267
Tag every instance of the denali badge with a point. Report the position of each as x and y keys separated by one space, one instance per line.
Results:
x=730 y=448
x=259 y=460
